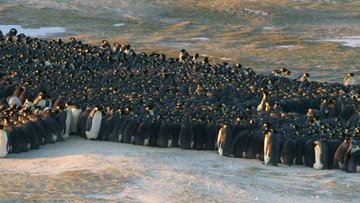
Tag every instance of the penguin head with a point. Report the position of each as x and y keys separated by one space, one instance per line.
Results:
x=12 y=32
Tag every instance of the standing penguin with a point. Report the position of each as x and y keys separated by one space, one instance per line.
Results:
x=349 y=79
x=211 y=135
x=143 y=133
x=263 y=102
x=321 y=154
x=255 y=146
x=93 y=124
x=271 y=148
x=288 y=152
x=240 y=143
x=3 y=142
x=340 y=154
x=129 y=131
x=82 y=121
x=199 y=136
x=324 y=153
x=186 y=136
x=224 y=141
x=309 y=152
x=75 y=113
x=14 y=140
x=165 y=135
x=64 y=118
x=353 y=161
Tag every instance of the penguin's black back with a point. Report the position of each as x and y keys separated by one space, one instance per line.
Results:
x=240 y=143
x=143 y=132
x=211 y=136
x=199 y=136
x=130 y=130
x=186 y=136
x=165 y=134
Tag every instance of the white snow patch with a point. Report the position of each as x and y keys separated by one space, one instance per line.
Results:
x=285 y=46
x=131 y=173
x=350 y=41
x=118 y=24
x=200 y=39
x=42 y=31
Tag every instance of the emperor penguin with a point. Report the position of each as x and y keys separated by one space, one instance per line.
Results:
x=82 y=121
x=64 y=118
x=129 y=131
x=352 y=158
x=262 y=105
x=42 y=102
x=75 y=115
x=271 y=148
x=320 y=154
x=349 y=79
x=340 y=153
x=304 y=78
x=186 y=136
x=143 y=133
x=241 y=141
x=288 y=152
x=199 y=136
x=165 y=135
x=211 y=133
x=3 y=142
x=93 y=124
x=224 y=141
x=324 y=153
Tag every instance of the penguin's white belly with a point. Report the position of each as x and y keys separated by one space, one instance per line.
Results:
x=41 y=104
x=14 y=101
x=67 y=124
x=317 y=165
x=3 y=144
x=95 y=126
x=75 y=115
x=266 y=151
x=146 y=142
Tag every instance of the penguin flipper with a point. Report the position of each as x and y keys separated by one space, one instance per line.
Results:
x=88 y=123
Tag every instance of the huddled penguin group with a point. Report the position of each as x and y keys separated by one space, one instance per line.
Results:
x=51 y=89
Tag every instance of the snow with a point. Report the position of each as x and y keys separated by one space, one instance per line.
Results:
x=42 y=31
x=350 y=41
x=85 y=170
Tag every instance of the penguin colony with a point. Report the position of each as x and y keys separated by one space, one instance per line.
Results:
x=50 y=89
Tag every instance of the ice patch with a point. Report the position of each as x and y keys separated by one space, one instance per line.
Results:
x=285 y=46
x=350 y=41
x=200 y=39
x=118 y=24
x=42 y=31
x=267 y=28
x=227 y=59
x=256 y=12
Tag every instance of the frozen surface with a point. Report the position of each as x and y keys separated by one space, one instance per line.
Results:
x=42 y=31
x=351 y=41
x=106 y=171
